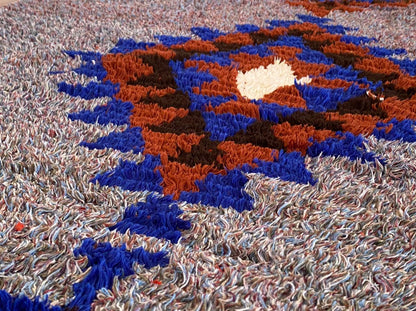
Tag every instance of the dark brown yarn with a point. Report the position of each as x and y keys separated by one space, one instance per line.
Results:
x=376 y=76
x=226 y=47
x=260 y=38
x=362 y=105
x=299 y=32
x=391 y=91
x=162 y=76
x=265 y=35
x=312 y=118
x=193 y=122
x=205 y=153
x=328 y=5
x=260 y=134
x=177 y=100
x=182 y=54
x=316 y=45
x=343 y=60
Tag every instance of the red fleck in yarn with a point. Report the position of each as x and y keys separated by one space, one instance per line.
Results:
x=19 y=226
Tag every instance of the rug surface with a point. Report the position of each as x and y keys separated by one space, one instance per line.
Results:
x=323 y=7
x=205 y=155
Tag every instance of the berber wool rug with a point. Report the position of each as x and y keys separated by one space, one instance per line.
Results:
x=208 y=155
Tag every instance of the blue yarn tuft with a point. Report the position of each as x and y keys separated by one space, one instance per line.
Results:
x=311 y=56
x=338 y=72
x=90 y=91
x=288 y=41
x=116 y=112
x=129 y=45
x=346 y=145
x=107 y=262
x=23 y=303
x=220 y=58
x=289 y=167
x=280 y=23
x=271 y=112
x=221 y=190
x=313 y=19
x=91 y=64
x=201 y=102
x=401 y=130
x=247 y=28
x=383 y=52
x=407 y=65
x=130 y=139
x=357 y=40
x=206 y=33
x=131 y=176
x=337 y=29
x=323 y=99
x=225 y=125
x=85 y=56
x=156 y=217
x=188 y=78
x=261 y=50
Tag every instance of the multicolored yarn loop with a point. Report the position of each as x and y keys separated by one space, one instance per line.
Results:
x=322 y=8
x=205 y=112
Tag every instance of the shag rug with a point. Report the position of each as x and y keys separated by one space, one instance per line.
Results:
x=201 y=155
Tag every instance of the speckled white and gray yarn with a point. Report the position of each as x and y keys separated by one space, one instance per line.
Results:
x=347 y=243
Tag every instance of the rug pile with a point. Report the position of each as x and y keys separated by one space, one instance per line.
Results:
x=194 y=161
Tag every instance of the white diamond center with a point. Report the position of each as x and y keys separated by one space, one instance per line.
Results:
x=257 y=82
